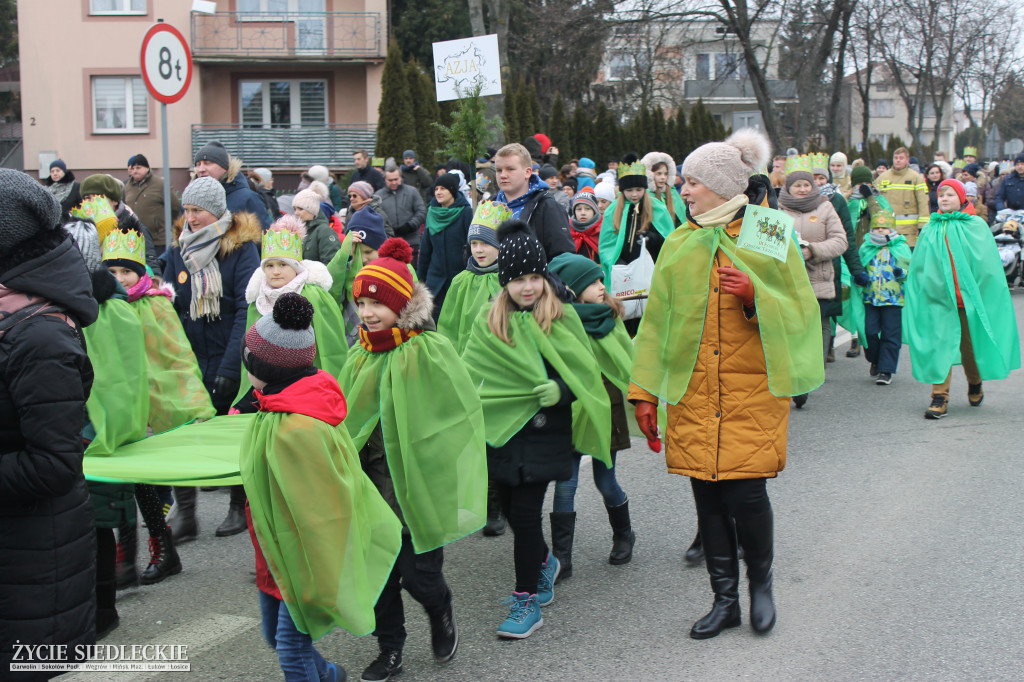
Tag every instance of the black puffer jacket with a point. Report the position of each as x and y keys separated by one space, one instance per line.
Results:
x=47 y=541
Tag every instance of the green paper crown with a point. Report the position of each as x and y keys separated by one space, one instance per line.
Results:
x=803 y=162
x=819 y=160
x=958 y=164
x=490 y=214
x=883 y=218
x=128 y=245
x=99 y=210
x=637 y=168
x=970 y=151
x=278 y=243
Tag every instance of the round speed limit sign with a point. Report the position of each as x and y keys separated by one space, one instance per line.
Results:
x=166 y=63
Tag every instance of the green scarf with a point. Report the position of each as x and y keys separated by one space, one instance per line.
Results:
x=118 y=406
x=309 y=496
x=200 y=453
x=614 y=353
x=176 y=391
x=673 y=323
x=433 y=428
x=931 y=320
x=505 y=376
x=597 y=318
x=611 y=242
x=467 y=296
x=440 y=218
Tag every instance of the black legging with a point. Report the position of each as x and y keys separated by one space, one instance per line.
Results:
x=523 y=506
x=152 y=508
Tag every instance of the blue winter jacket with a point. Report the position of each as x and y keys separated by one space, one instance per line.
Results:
x=443 y=254
x=1011 y=192
x=241 y=198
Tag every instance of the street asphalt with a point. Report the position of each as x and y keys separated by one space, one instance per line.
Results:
x=898 y=557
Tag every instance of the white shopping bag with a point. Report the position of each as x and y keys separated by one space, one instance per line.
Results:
x=634 y=280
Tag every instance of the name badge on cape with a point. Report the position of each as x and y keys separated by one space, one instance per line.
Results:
x=766 y=231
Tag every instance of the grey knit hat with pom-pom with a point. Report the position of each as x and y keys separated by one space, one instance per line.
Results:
x=725 y=167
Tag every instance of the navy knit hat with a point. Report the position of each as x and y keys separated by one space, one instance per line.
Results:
x=139 y=160
x=282 y=344
x=519 y=252
x=57 y=163
x=368 y=224
x=973 y=169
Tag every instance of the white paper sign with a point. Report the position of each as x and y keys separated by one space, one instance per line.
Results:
x=459 y=65
x=766 y=231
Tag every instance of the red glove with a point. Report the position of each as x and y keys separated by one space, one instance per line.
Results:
x=737 y=283
x=647 y=420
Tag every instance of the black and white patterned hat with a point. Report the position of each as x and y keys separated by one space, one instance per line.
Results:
x=519 y=252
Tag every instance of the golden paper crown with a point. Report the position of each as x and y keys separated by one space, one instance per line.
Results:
x=970 y=151
x=958 y=164
x=124 y=245
x=281 y=242
x=883 y=219
x=820 y=161
x=99 y=210
x=491 y=214
x=637 y=168
x=803 y=162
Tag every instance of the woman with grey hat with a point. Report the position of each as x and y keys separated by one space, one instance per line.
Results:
x=210 y=264
x=63 y=186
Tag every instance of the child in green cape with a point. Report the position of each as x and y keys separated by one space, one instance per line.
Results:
x=661 y=179
x=958 y=308
x=530 y=359
x=175 y=390
x=417 y=420
x=364 y=234
x=282 y=270
x=601 y=314
x=318 y=565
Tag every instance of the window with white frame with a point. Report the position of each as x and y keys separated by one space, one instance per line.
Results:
x=120 y=104
x=882 y=108
x=283 y=103
x=117 y=6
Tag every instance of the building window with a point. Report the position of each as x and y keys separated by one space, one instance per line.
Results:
x=880 y=138
x=117 y=6
x=703 y=67
x=620 y=67
x=730 y=66
x=307 y=15
x=119 y=105
x=882 y=108
x=283 y=103
x=746 y=119
x=882 y=87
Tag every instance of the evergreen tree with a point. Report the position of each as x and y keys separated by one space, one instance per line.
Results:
x=683 y=145
x=536 y=125
x=558 y=128
x=425 y=112
x=606 y=142
x=524 y=118
x=659 y=138
x=669 y=143
x=581 y=133
x=466 y=138
x=396 y=126
x=511 y=118
x=702 y=124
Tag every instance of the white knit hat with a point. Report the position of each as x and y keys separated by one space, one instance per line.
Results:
x=605 y=190
x=725 y=167
x=309 y=200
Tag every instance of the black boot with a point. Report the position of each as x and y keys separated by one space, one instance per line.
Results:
x=495 y=518
x=563 y=528
x=756 y=534
x=695 y=552
x=623 y=536
x=127 y=549
x=182 y=519
x=234 y=522
x=163 y=559
x=106 y=582
x=719 y=543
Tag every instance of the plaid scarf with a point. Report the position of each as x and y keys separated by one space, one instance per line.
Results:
x=199 y=250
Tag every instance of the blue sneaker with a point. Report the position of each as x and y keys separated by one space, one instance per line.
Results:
x=549 y=571
x=523 y=616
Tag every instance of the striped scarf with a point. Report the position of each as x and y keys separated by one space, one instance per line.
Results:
x=385 y=339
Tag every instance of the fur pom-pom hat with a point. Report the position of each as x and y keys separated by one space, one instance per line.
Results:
x=309 y=199
x=519 y=252
x=281 y=344
x=387 y=279
x=725 y=167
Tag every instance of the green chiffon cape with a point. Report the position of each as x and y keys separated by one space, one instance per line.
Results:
x=467 y=296
x=852 y=318
x=611 y=240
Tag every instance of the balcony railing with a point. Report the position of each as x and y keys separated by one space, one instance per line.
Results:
x=734 y=89
x=330 y=145
x=290 y=35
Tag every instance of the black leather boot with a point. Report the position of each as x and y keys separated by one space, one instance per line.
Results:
x=163 y=559
x=695 y=552
x=234 y=522
x=719 y=543
x=106 y=582
x=563 y=528
x=623 y=536
x=182 y=519
x=756 y=534
x=495 y=518
x=127 y=549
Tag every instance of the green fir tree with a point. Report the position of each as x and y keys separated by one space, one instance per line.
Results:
x=466 y=138
x=396 y=126
x=558 y=128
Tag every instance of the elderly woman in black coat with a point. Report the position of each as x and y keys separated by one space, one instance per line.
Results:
x=46 y=519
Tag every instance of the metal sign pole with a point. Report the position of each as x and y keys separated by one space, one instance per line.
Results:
x=168 y=227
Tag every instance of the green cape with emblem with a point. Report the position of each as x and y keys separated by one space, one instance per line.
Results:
x=468 y=295
x=505 y=376
x=931 y=322
x=611 y=240
x=673 y=323
x=433 y=428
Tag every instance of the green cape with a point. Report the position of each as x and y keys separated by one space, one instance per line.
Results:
x=176 y=391
x=117 y=406
x=611 y=240
x=343 y=268
x=433 y=428
x=614 y=353
x=328 y=328
x=329 y=538
x=931 y=321
x=505 y=377
x=200 y=453
x=467 y=296
x=678 y=205
x=852 y=318
x=673 y=324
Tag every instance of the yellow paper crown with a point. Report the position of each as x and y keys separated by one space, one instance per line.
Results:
x=490 y=214
x=637 y=168
x=281 y=243
x=819 y=161
x=803 y=162
x=958 y=164
x=99 y=210
x=124 y=245
x=970 y=151
x=883 y=219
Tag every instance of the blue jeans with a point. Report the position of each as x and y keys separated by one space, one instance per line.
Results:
x=299 y=659
x=883 y=336
x=604 y=479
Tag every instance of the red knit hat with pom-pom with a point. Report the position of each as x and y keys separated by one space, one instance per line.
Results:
x=387 y=279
